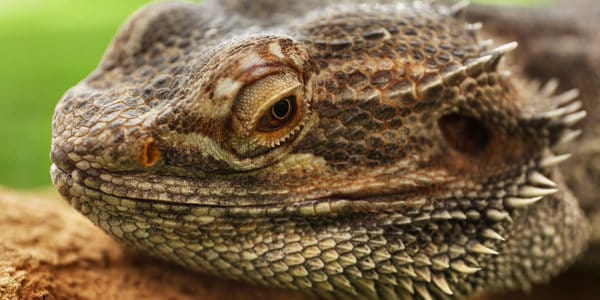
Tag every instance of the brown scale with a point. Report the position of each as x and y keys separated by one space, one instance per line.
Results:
x=352 y=151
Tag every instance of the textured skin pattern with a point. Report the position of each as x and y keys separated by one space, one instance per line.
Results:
x=410 y=164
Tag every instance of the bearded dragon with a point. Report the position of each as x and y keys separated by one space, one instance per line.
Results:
x=352 y=151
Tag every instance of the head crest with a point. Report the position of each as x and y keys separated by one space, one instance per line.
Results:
x=489 y=60
x=458 y=9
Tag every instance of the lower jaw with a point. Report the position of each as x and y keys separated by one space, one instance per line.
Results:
x=462 y=245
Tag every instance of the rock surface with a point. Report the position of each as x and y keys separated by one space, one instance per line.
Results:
x=49 y=251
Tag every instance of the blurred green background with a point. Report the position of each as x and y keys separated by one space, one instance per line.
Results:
x=47 y=46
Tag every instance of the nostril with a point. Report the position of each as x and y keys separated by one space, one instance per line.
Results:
x=463 y=133
x=150 y=153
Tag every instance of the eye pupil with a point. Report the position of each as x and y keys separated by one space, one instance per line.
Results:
x=281 y=109
x=281 y=114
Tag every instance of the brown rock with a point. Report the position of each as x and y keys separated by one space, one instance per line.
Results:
x=49 y=251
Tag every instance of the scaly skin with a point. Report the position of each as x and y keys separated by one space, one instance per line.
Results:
x=354 y=152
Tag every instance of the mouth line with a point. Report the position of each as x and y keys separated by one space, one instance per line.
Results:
x=327 y=205
x=413 y=204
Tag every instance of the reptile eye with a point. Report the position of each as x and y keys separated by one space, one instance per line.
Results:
x=464 y=134
x=280 y=114
x=281 y=109
x=268 y=112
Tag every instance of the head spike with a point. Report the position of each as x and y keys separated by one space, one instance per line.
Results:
x=496 y=215
x=458 y=9
x=516 y=202
x=561 y=112
x=505 y=48
x=528 y=191
x=440 y=262
x=461 y=267
x=440 y=281
x=424 y=273
x=499 y=52
x=549 y=88
x=485 y=44
x=421 y=289
x=489 y=60
x=539 y=179
x=406 y=284
x=473 y=26
x=477 y=247
x=553 y=160
x=505 y=73
x=571 y=119
x=453 y=73
x=564 y=98
x=476 y=65
x=491 y=234
x=568 y=136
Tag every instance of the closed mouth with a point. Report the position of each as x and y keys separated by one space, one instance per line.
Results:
x=411 y=204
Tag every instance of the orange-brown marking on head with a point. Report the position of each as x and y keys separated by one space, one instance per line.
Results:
x=150 y=153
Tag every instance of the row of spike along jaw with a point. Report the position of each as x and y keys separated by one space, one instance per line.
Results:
x=566 y=113
x=536 y=186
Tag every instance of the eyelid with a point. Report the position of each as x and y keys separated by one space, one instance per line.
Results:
x=258 y=72
x=256 y=99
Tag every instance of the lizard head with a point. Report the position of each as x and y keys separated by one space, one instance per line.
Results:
x=391 y=123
